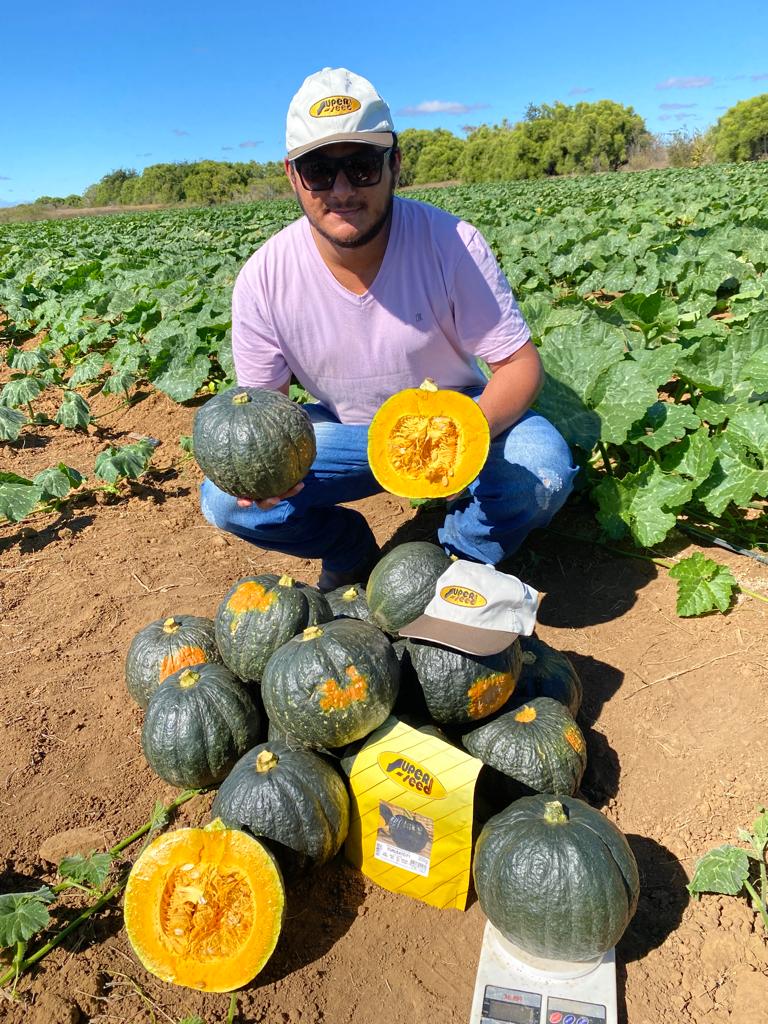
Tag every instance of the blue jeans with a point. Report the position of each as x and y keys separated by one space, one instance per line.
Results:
x=525 y=481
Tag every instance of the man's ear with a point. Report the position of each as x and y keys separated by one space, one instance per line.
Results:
x=395 y=165
x=290 y=172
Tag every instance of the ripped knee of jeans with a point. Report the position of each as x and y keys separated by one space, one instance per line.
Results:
x=552 y=490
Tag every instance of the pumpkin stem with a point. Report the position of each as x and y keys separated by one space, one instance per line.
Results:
x=349 y=595
x=242 y=398
x=310 y=633
x=555 y=813
x=286 y=581
x=170 y=626
x=188 y=678
x=266 y=760
x=428 y=385
x=526 y=714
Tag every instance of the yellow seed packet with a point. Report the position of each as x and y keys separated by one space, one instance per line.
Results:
x=411 y=816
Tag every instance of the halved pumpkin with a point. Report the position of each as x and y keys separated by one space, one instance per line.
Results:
x=428 y=443
x=204 y=907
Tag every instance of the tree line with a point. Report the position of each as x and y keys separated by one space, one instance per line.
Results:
x=550 y=140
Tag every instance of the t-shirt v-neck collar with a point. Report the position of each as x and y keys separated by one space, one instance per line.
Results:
x=337 y=286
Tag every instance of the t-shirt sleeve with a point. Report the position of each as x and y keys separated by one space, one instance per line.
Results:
x=258 y=359
x=487 y=317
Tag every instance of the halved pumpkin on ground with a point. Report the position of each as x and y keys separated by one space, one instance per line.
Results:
x=428 y=443
x=204 y=907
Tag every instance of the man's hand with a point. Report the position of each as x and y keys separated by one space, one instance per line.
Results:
x=267 y=503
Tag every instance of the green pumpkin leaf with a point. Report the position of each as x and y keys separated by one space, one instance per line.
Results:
x=119 y=382
x=703 y=585
x=57 y=481
x=20 y=390
x=91 y=870
x=723 y=870
x=18 y=496
x=126 y=462
x=23 y=914
x=87 y=370
x=74 y=412
x=644 y=504
x=34 y=359
x=11 y=422
x=760 y=829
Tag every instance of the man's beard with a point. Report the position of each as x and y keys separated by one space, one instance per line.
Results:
x=353 y=243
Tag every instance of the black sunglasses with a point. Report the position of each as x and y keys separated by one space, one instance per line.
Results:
x=361 y=169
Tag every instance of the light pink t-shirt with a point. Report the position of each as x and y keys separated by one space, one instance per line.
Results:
x=438 y=301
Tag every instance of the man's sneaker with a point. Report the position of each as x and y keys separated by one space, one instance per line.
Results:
x=331 y=579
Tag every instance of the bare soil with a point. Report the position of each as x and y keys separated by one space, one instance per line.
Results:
x=675 y=715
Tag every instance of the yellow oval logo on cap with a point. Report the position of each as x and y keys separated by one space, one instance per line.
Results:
x=463 y=597
x=410 y=774
x=334 y=106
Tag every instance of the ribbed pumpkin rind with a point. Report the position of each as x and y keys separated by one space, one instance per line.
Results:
x=453 y=682
x=536 y=753
x=558 y=891
x=302 y=676
x=474 y=441
x=153 y=646
x=301 y=803
x=547 y=673
x=403 y=583
x=258 y=449
x=145 y=891
x=247 y=639
x=193 y=735
x=343 y=604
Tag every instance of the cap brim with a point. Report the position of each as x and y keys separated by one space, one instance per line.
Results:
x=469 y=639
x=385 y=139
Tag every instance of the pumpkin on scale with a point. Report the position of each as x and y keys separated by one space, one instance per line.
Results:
x=556 y=877
x=260 y=614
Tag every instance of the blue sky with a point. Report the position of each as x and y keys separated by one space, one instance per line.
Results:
x=89 y=87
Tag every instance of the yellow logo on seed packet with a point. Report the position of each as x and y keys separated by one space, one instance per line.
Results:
x=412 y=799
x=334 y=106
x=410 y=775
x=463 y=597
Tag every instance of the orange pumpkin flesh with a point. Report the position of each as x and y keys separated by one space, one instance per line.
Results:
x=427 y=443
x=203 y=907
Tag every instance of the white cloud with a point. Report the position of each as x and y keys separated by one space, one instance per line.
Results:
x=694 y=82
x=677 y=106
x=579 y=90
x=3 y=178
x=441 y=107
x=249 y=143
x=179 y=131
x=227 y=147
x=759 y=76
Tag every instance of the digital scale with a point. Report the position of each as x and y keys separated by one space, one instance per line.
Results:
x=513 y=987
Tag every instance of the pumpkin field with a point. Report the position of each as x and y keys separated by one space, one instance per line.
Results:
x=646 y=295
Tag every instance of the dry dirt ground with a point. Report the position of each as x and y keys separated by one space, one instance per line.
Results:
x=675 y=714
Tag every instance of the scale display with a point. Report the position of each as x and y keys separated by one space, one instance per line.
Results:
x=513 y=987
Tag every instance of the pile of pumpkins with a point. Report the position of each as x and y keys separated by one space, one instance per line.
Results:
x=262 y=701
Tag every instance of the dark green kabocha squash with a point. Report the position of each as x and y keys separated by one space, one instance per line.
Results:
x=403 y=583
x=349 y=602
x=253 y=443
x=332 y=684
x=556 y=877
x=292 y=799
x=165 y=646
x=538 y=744
x=461 y=687
x=259 y=614
x=547 y=673
x=406 y=830
x=198 y=723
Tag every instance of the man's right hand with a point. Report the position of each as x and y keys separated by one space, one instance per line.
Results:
x=267 y=503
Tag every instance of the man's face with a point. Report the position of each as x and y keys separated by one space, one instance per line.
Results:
x=347 y=216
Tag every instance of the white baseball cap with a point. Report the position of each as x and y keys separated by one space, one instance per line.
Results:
x=336 y=105
x=476 y=609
